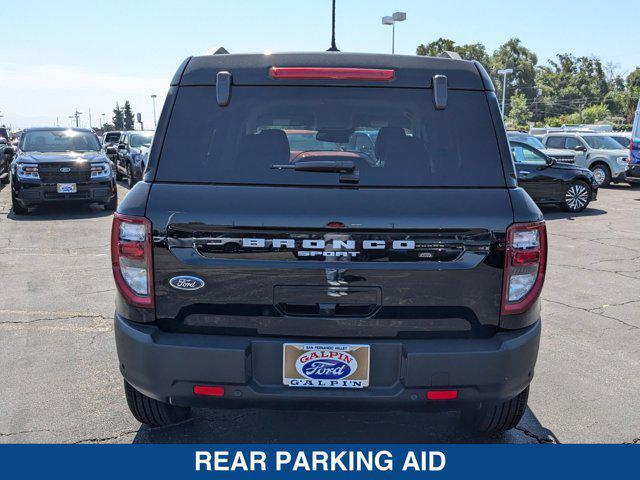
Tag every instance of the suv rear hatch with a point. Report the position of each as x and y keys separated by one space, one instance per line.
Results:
x=397 y=234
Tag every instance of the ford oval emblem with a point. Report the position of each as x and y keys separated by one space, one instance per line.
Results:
x=319 y=365
x=186 y=283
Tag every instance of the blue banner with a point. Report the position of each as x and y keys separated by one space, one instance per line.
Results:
x=317 y=461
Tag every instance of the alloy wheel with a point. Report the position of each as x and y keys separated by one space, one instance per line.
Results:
x=577 y=197
x=600 y=175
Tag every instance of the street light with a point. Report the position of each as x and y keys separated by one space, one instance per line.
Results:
x=505 y=72
x=153 y=99
x=391 y=20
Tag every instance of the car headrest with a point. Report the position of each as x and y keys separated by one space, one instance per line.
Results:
x=389 y=138
x=272 y=143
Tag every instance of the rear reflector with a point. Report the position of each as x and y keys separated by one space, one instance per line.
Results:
x=442 y=395
x=208 y=390
x=318 y=73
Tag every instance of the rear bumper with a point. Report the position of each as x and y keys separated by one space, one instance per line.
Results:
x=95 y=192
x=166 y=366
x=633 y=174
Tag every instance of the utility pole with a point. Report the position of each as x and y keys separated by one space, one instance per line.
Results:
x=153 y=99
x=76 y=115
x=504 y=72
x=90 y=123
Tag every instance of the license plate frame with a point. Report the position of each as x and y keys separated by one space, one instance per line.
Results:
x=325 y=365
x=67 y=188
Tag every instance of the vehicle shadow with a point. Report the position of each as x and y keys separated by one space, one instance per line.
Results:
x=61 y=212
x=268 y=426
x=556 y=213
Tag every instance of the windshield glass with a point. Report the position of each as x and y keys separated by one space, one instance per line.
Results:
x=602 y=142
x=141 y=139
x=533 y=141
x=623 y=141
x=59 y=141
x=394 y=136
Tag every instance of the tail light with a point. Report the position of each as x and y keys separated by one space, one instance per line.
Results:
x=525 y=265
x=131 y=241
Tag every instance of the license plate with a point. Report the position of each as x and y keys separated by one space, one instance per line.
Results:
x=325 y=366
x=67 y=188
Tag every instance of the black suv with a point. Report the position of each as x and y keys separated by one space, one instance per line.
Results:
x=133 y=149
x=56 y=164
x=407 y=277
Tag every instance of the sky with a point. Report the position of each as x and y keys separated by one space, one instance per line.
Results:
x=64 y=55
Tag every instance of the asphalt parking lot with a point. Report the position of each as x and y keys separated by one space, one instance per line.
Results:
x=60 y=382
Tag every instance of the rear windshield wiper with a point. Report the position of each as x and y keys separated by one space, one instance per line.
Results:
x=346 y=168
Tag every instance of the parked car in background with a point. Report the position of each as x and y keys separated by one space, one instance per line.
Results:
x=550 y=182
x=4 y=133
x=111 y=139
x=623 y=138
x=596 y=151
x=633 y=175
x=6 y=152
x=560 y=155
x=130 y=161
x=61 y=164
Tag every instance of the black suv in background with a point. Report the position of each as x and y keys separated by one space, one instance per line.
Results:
x=407 y=277
x=132 y=154
x=60 y=164
x=553 y=183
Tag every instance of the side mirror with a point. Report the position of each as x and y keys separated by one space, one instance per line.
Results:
x=580 y=148
x=112 y=150
x=122 y=146
x=8 y=151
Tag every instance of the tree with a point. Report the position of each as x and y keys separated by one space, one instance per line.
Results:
x=118 y=118
x=572 y=83
x=128 y=116
x=633 y=80
x=475 y=51
x=523 y=61
x=519 y=112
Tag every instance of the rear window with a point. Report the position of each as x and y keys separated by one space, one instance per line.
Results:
x=394 y=136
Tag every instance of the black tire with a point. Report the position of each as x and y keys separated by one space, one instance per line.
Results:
x=605 y=175
x=152 y=412
x=130 y=180
x=577 y=197
x=118 y=174
x=17 y=208
x=112 y=205
x=499 y=417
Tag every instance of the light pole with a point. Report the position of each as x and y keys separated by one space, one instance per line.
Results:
x=504 y=72
x=391 y=20
x=153 y=99
x=103 y=122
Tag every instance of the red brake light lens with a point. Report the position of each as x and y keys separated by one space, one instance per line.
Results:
x=320 y=73
x=208 y=390
x=442 y=395
x=131 y=259
x=525 y=266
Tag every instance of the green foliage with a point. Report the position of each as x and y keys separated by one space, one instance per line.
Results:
x=519 y=113
x=567 y=89
x=475 y=51
x=128 y=116
x=118 y=118
x=514 y=55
